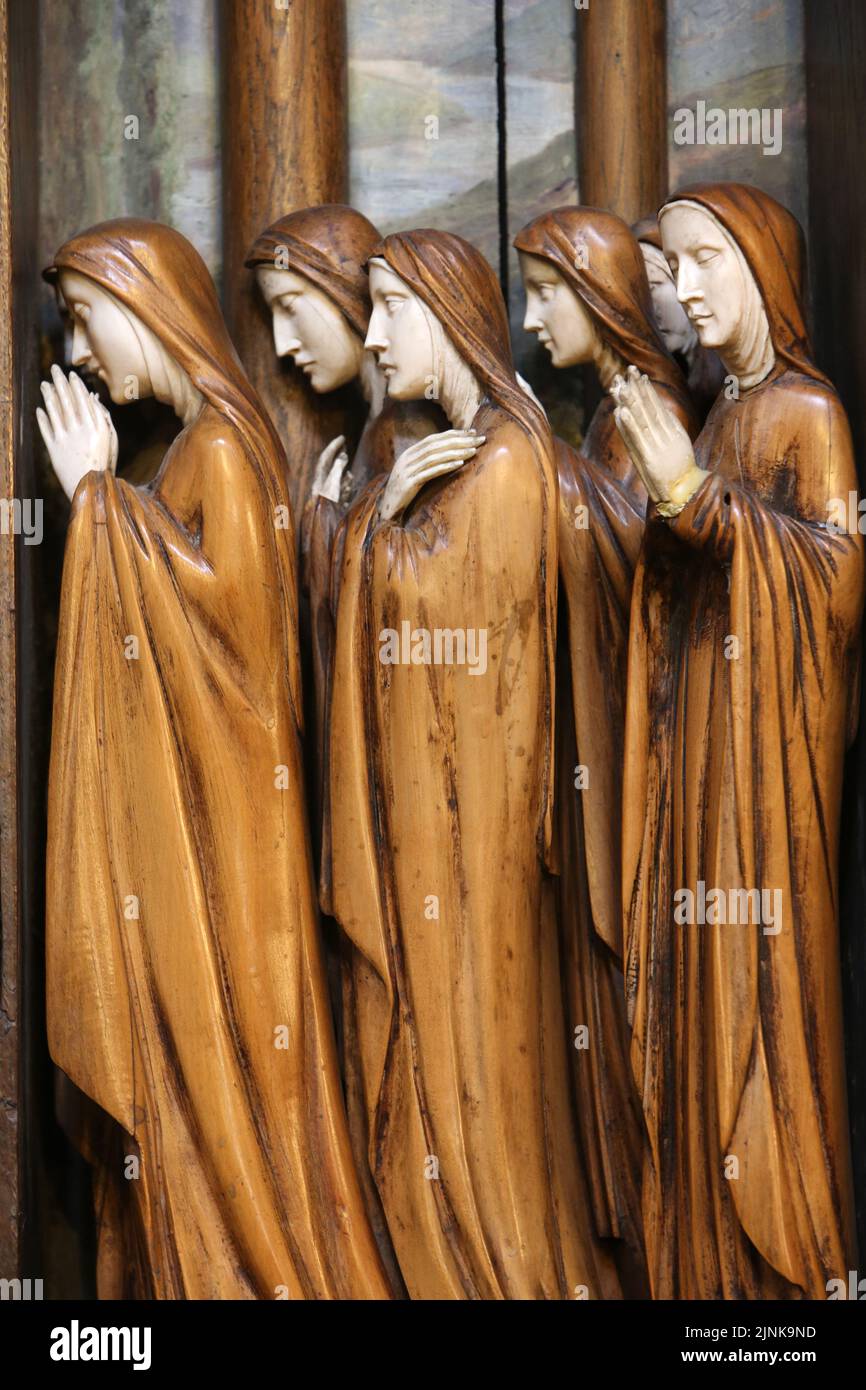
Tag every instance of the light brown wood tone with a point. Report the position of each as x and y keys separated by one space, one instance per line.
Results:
x=181 y=927
x=733 y=776
x=442 y=786
x=622 y=106
x=284 y=148
x=602 y=503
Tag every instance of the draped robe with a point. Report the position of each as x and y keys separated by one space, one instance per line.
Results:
x=602 y=506
x=186 y=990
x=733 y=775
x=441 y=817
x=383 y=439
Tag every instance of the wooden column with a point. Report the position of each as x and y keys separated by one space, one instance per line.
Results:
x=284 y=147
x=622 y=106
x=835 y=39
x=20 y=980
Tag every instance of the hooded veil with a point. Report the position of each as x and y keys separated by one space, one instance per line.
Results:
x=186 y=994
x=601 y=518
x=329 y=245
x=441 y=792
x=743 y=674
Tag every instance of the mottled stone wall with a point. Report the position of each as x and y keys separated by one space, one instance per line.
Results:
x=425 y=119
x=103 y=61
x=740 y=53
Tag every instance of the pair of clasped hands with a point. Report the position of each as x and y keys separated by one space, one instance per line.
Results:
x=77 y=430
x=659 y=446
x=80 y=437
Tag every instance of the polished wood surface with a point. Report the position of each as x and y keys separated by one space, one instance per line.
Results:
x=622 y=106
x=285 y=147
x=177 y=819
x=439 y=884
x=835 y=38
x=743 y=696
x=602 y=503
x=22 y=1069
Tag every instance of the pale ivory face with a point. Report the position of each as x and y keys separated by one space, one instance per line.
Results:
x=709 y=275
x=107 y=341
x=309 y=328
x=558 y=316
x=671 y=318
x=399 y=335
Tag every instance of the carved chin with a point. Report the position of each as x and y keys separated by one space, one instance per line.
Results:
x=401 y=390
x=708 y=334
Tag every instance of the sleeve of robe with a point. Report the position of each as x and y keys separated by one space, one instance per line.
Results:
x=795 y=596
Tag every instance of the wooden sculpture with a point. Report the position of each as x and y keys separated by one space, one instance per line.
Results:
x=186 y=991
x=441 y=806
x=703 y=367
x=743 y=679
x=588 y=301
x=310 y=269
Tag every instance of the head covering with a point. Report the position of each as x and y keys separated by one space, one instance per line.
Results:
x=455 y=281
x=158 y=275
x=647 y=229
x=599 y=258
x=771 y=241
x=646 y=233
x=329 y=246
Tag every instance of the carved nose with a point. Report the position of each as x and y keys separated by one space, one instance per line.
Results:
x=80 y=347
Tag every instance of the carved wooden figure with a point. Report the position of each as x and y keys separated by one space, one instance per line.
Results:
x=588 y=301
x=441 y=806
x=310 y=269
x=743 y=680
x=186 y=991
x=703 y=367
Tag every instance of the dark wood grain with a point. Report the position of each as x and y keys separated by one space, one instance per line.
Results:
x=621 y=106
x=836 y=115
x=284 y=147
x=18 y=323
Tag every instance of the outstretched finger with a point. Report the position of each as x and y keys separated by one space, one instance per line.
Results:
x=656 y=411
x=83 y=399
x=44 y=427
x=436 y=470
x=52 y=407
x=65 y=400
x=634 y=402
x=437 y=456
x=625 y=423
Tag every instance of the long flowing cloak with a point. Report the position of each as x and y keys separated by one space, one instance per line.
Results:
x=602 y=505
x=441 y=810
x=383 y=439
x=164 y=787
x=602 y=509
x=186 y=991
x=733 y=778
